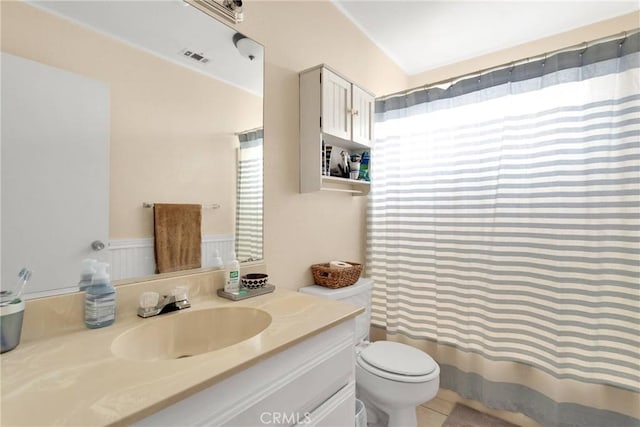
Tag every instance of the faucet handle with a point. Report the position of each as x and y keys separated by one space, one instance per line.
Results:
x=149 y=300
x=181 y=293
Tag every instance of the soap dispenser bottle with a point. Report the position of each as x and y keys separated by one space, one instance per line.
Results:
x=86 y=273
x=232 y=275
x=216 y=262
x=100 y=299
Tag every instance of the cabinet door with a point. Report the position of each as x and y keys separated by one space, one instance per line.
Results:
x=363 y=110
x=336 y=105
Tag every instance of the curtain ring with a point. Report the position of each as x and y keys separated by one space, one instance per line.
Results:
x=451 y=83
x=624 y=39
x=586 y=46
x=511 y=70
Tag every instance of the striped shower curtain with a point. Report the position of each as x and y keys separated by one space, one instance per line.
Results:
x=503 y=233
x=249 y=197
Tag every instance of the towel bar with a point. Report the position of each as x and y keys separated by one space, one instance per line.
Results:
x=211 y=206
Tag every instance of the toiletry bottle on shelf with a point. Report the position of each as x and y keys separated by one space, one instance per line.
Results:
x=364 y=167
x=232 y=275
x=100 y=299
x=86 y=273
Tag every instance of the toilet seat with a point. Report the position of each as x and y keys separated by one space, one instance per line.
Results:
x=397 y=362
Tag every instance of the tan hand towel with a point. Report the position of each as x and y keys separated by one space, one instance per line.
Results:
x=177 y=236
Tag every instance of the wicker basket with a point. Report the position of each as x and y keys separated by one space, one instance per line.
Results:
x=331 y=277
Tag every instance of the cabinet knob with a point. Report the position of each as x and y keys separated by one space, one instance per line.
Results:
x=355 y=112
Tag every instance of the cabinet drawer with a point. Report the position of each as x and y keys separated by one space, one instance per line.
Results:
x=339 y=410
x=290 y=403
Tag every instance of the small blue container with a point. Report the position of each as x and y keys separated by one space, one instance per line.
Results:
x=11 y=316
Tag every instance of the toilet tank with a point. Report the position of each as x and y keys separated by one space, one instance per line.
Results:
x=357 y=294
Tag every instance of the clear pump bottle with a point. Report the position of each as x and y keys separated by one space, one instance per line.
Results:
x=100 y=299
x=87 y=272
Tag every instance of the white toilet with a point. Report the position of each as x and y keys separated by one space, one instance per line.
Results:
x=391 y=378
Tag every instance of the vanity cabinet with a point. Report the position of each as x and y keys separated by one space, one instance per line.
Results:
x=335 y=113
x=310 y=384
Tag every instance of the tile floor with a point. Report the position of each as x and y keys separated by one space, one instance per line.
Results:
x=435 y=412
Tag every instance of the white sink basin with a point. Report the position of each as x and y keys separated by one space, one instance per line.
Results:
x=189 y=333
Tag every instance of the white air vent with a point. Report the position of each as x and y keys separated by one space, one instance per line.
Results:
x=195 y=56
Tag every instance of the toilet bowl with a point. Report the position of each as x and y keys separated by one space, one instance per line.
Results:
x=391 y=378
x=395 y=378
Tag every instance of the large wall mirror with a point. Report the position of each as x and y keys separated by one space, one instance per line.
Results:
x=109 y=108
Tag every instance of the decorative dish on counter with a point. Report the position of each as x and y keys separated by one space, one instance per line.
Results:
x=254 y=280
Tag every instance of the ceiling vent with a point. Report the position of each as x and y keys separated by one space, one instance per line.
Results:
x=195 y=56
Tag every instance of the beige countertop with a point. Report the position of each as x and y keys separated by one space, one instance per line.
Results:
x=75 y=379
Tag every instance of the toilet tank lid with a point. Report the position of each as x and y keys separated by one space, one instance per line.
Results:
x=363 y=284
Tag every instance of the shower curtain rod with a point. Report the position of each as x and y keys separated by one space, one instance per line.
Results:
x=451 y=81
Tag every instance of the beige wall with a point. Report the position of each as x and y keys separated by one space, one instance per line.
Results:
x=172 y=129
x=304 y=229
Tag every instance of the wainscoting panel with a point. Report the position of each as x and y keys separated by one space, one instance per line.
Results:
x=131 y=258
x=224 y=243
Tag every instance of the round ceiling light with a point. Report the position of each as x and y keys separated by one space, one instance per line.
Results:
x=247 y=47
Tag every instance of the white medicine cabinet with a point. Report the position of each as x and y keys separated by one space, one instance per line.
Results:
x=336 y=129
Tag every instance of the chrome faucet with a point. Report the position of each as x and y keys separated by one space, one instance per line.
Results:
x=152 y=305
